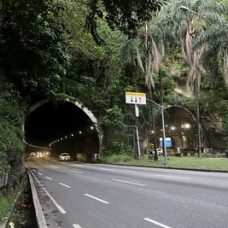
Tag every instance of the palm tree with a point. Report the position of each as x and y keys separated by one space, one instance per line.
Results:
x=148 y=50
x=190 y=26
x=215 y=36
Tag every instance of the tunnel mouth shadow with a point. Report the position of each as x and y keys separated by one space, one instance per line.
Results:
x=62 y=126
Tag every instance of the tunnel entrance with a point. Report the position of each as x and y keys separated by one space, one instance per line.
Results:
x=180 y=126
x=62 y=127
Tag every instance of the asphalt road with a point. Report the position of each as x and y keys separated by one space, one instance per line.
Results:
x=103 y=196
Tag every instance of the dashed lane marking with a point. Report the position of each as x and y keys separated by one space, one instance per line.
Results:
x=49 y=178
x=96 y=198
x=67 y=186
x=76 y=226
x=156 y=223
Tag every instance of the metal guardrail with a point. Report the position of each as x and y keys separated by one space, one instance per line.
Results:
x=4 y=180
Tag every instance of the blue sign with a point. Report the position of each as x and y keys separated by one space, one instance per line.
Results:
x=168 y=142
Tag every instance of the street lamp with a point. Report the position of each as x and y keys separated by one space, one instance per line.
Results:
x=185 y=8
x=163 y=127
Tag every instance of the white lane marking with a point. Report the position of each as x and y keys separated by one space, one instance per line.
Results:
x=67 y=186
x=172 y=177
x=75 y=171
x=49 y=178
x=106 y=169
x=75 y=165
x=156 y=223
x=76 y=226
x=98 y=199
x=40 y=173
x=60 y=208
x=129 y=182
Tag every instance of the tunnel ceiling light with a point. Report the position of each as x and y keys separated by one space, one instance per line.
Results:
x=187 y=125
x=80 y=132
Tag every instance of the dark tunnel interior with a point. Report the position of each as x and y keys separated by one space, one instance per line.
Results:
x=63 y=127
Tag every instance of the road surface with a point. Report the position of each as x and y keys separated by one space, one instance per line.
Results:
x=82 y=195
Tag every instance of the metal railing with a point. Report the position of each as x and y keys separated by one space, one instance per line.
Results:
x=4 y=179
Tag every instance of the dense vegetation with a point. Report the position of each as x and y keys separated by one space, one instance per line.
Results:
x=63 y=49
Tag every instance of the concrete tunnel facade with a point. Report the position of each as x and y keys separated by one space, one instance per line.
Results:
x=63 y=126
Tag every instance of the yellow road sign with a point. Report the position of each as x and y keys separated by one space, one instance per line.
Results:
x=135 y=98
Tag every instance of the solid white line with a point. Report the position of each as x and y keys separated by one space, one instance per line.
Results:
x=76 y=165
x=106 y=169
x=98 y=199
x=129 y=182
x=67 y=186
x=75 y=171
x=40 y=173
x=156 y=223
x=49 y=178
x=49 y=195
x=171 y=177
x=76 y=226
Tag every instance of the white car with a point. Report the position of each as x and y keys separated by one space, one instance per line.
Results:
x=64 y=157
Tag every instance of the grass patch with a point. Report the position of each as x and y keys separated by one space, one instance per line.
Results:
x=172 y=162
x=6 y=202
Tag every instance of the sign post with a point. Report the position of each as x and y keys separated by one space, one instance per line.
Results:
x=136 y=99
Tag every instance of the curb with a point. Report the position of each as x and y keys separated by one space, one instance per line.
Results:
x=41 y=221
x=162 y=167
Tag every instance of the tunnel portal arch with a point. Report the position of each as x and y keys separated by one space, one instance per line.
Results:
x=180 y=126
x=87 y=135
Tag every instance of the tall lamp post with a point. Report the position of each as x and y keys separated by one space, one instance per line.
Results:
x=196 y=84
x=163 y=128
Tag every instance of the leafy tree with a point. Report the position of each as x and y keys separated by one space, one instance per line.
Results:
x=11 y=120
x=125 y=15
x=32 y=47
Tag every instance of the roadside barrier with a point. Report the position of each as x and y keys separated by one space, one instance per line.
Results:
x=41 y=222
x=4 y=179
